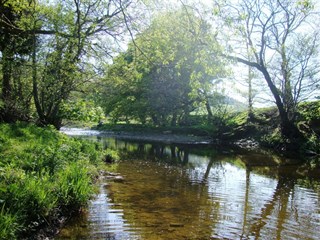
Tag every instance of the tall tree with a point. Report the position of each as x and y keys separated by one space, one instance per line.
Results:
x=15 y=46
x=282 y=41
x=172 y=68
x=62 y=38
x=76 y=24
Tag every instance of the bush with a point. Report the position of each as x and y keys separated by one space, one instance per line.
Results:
x=111 y=156
x=309 y=110
x=272 y=140
x=31 y=198
x=312 y=145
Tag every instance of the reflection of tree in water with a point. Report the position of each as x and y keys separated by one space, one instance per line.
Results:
x=280 y=200
x=174 y=154
x=160 y=197
x=246 y=204
x=278 y=203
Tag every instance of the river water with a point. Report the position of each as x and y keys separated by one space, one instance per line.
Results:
x=199 y=191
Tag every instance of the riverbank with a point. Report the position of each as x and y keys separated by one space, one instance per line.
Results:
x=261 y=130
x=140 y=135
x=45 y=177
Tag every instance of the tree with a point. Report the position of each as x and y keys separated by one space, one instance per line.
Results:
x=65 y=65
x=166 y=71
x=59 y=37
x=122 y=94
x=15 y=46
x=282 y=41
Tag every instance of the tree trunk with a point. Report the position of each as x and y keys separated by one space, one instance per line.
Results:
x=174 y=120
x=8 y=112
x=208 y=107
x=250 y=98
x=288 y=101
x=7 y=59
x=288 y=128
x=250 y=117
x=35 y=90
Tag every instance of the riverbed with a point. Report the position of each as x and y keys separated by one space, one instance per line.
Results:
x=196 y=190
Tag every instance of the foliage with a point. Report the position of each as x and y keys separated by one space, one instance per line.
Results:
x=111 y=156
x=15 y=79
x=82 y=110
x=46 y=53
x=279 y=39
x=8 y=225
x=42 y=173
x=75 y=188
x=273 y=139
x=312 y=145
x=238 y=119
x=309 y=110
x=166 y=72
x=264 y=128
x=309 y=122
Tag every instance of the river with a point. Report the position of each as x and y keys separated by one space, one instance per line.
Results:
x=199 y=191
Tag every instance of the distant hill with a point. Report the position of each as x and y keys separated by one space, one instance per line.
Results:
x=223 y=99
x=238 y=106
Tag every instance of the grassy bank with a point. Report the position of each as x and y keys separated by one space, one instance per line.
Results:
x=265 y=129
x=44 y=175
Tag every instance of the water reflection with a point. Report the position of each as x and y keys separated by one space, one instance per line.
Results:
x=197 y=192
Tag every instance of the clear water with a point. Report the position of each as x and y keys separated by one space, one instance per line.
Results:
x=200 y=192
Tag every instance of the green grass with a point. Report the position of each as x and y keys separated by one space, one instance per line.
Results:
x=42 y=174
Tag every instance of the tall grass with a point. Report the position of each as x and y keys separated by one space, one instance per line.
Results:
x=8 y=225
x=42 y=174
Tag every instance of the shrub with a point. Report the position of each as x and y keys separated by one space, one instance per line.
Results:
x=309 y=110
x=312 y=145
x=30 y=197
x=111 y=156
x=273 y=140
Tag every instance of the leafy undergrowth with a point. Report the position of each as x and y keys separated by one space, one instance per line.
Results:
x=265 y=128
x=43 y=175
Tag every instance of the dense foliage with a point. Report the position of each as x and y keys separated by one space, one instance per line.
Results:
x=46 y=51
x=166 y=73
x=43 y=174
x=55 y=60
